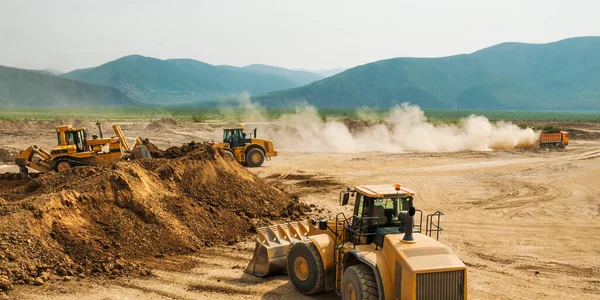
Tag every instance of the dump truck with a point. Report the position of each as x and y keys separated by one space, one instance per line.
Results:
x=244 y=148
x=379 y=252
x=74 y=148
x=554 y=139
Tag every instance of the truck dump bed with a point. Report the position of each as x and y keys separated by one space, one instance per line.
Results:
x=554 y=137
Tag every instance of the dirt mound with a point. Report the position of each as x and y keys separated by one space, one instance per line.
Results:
x=97 y=220
x=174 y=152
x=578 y=134
x=162 y=123
x=7 y=156
x=155 y=152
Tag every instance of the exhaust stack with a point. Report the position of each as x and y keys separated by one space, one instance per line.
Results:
x=407 y=218
x=100 y=129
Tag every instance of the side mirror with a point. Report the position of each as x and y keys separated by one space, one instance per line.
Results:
x=344 y=198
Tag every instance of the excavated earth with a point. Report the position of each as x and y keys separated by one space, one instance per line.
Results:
x=92 y=221
x=524 y=221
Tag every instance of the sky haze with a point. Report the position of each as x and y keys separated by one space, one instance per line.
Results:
x=66 y=35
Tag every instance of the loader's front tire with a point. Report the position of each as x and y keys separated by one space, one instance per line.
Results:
x=255 y=157
x=229 y=154
x=358 y=283
x=305 y=268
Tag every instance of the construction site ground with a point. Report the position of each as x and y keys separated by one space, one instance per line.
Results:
x=525 y=222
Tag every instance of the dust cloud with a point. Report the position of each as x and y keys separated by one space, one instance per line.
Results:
x=404 y=129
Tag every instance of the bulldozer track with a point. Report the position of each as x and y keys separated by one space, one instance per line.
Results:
x=73 y=162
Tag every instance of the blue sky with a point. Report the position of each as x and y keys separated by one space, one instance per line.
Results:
x=307 y=34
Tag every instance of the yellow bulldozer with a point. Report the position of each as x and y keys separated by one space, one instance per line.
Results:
x=74 y=148
x=378 y=253
x=245 y=148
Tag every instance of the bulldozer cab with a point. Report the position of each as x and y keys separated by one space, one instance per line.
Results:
x=66 y=135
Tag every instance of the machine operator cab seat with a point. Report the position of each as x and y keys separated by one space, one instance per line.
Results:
x=376 y=211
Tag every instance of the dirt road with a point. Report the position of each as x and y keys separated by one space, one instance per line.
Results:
x=524 y=222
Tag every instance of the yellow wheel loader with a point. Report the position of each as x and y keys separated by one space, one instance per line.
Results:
x=245 y=148
x=377 y=253
x=74 y=148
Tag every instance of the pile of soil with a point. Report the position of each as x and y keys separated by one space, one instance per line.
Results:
x=97 y=220
x=162 y=124
x=174 y=152
x=7 y=156
x=577 y=134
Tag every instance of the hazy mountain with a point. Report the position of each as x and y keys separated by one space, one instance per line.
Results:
x=173 y=81
x=20 y=87
x=51 y=71
x=329 y=72
x=559 y=75
x=299 y=78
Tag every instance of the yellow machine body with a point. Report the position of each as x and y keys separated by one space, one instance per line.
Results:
x=417 y=268
x=74 y=148
x=246 y=148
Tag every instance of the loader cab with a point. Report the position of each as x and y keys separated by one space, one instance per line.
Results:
x=376 y=211
x=236 y=137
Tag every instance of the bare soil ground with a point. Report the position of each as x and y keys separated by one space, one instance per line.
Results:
x=525 y=222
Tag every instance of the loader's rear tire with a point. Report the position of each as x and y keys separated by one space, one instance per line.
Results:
x=305 y=268
x=62 y=166
x=255 y=157
x=358 y=283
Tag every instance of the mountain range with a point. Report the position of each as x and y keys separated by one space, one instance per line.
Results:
x=508 y=76
x=559 y=75
x=20 y=87
x=176 y=81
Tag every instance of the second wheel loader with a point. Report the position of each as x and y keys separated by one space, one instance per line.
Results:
x=74 y=148
x=377 y=253
x=245 y=148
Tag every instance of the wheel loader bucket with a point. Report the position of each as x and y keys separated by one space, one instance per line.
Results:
x=272 y=245
x=140 y=151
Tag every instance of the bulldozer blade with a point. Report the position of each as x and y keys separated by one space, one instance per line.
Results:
x=272 y=245
x=24 y=172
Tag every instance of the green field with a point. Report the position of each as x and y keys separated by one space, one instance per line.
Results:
x=238 y=114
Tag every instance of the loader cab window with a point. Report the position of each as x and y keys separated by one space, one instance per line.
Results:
x=79 y=138
x=235 y=137
x=386 y=210
x=69 y=137
x=226 y=135
x=358 y=207
x=58 y=138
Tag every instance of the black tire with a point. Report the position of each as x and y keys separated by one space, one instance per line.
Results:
x=313 y=280
x=360 y=281
x=255 y=157
x=229 y=154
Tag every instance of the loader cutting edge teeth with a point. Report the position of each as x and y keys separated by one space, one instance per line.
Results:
x=272 y=245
